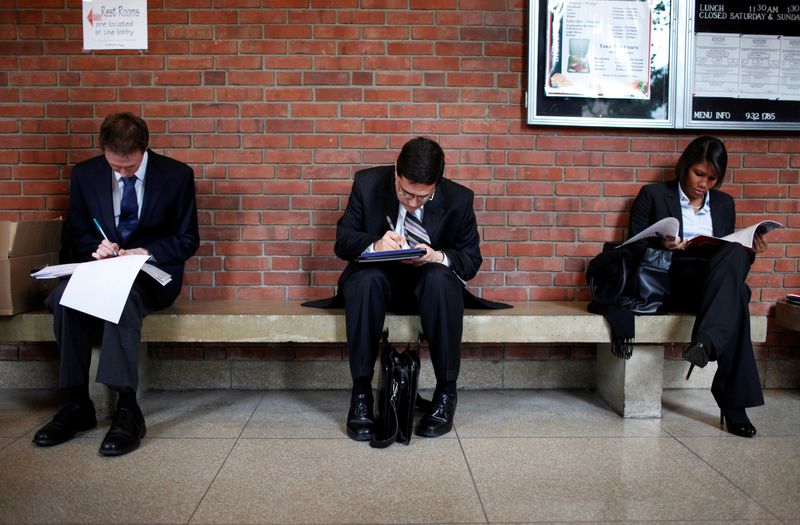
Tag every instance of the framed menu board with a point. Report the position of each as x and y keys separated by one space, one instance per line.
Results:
x=745 y=65
x=601 y=63
x=708 y=64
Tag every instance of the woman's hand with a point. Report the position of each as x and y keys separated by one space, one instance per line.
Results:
x=759 y=243
x=673 y=243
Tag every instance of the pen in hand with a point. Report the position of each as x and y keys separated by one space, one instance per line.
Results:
x=391 y=224
x=100 y=229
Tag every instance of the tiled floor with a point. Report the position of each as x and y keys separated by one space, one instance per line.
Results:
x=528 y=456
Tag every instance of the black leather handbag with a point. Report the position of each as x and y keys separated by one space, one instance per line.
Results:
x=397 y=394
x=634 y=276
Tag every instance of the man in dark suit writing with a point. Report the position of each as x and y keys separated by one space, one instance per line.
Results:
x=390 y=207
x=129 y=200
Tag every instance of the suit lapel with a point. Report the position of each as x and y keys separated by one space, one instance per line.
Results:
x=152 y=187
x=105 y=199
x=434 y=213
x=674 y=204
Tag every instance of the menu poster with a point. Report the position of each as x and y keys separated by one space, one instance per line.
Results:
x=746 y=62
x=115 y=24
x=598 y=49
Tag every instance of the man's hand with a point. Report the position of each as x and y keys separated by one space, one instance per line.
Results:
x=391 y=240
x=431 y=256
x=105 y=250
x=134 y=251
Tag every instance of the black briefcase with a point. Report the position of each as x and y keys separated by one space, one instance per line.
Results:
x=397 y=394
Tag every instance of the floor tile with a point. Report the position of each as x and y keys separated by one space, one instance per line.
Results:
x=601 y=479
x=161 y=482
x=767 y=468
x=341 y=481
x=543 y=413
x=195 y=414
x=299 y=414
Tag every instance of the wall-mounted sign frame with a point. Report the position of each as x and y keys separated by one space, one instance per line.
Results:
x=113 y=24
x=713 y=64
x=745 y=64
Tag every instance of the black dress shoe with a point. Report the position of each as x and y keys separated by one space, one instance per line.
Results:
x=697 y=354
x=126 y=432
x=361 y=418
x=739 y=424
x=70 y=420
x=439 y=421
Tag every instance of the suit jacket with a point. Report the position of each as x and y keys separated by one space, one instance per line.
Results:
x=448 y=218
x=658 y=201
x=167 y=225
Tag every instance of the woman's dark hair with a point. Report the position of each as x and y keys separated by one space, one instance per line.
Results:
x=703 y=149
x=123 y=134
x=421 y=161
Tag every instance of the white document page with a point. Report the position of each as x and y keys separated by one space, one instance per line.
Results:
x=745 y=236
x=100 y=288
x=665 y=228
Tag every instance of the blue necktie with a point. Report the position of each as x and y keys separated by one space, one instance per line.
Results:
x=128 y=209
x=415 y=232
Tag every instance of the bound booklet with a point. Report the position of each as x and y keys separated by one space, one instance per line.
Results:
x=744 y=236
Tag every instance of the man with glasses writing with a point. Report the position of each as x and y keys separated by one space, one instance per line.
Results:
x=389 y=208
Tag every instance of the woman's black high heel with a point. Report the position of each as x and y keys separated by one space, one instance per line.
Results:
x=741 y=427
x=697 y=355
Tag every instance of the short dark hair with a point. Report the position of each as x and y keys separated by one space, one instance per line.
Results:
x=124 y=133
x=703 y=149
x=421 y=161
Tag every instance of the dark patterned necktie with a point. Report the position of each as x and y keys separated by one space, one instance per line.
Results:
x=415 y=233
x=128 y=208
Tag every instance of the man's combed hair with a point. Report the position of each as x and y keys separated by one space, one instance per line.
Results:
x=703 y=149
x=123 y=134
x=421 y=161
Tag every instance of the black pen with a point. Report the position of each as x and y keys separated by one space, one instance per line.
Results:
x=96 y=223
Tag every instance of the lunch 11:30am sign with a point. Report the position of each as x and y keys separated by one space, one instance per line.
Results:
x=114 y=24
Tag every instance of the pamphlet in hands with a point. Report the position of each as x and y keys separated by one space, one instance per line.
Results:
x=391 y=255
x=744 y=236
x=63 y=270
x=666 y=228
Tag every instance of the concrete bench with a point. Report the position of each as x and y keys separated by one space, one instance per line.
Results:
x=631 y=387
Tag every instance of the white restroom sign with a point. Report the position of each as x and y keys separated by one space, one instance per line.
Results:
x=115 y=24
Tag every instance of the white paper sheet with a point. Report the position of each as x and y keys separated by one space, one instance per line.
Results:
x=62 y=270
x=665 y=228
x=100 y=288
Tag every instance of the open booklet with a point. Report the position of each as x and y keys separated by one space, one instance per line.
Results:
x=666 y=228
x=62 y=270
x=744 y=236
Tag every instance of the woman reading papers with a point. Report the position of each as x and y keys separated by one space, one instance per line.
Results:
x=708 y=280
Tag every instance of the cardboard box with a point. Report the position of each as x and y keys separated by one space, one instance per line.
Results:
x=25 y=246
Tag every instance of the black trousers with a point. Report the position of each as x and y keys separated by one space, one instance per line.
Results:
x=432 y=291
x=711 y=283
x=120 y=344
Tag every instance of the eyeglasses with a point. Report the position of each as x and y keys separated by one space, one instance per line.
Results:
x=403 y=194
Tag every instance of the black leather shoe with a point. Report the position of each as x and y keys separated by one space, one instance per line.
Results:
x=361 y=418
x=743 y=428
x=70 y=420
x=439 y=421
x=697 y=354
x=126 y=432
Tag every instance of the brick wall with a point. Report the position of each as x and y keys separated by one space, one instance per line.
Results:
x=276 y=103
